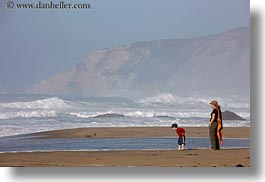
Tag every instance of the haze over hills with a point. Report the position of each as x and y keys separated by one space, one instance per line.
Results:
x=210 y=65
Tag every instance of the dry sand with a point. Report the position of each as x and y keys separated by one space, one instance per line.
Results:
x=165 y=158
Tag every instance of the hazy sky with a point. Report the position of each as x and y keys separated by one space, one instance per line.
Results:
x=36 y=44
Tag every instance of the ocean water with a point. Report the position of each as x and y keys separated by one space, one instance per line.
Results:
x=28 y=144
x=22 y=114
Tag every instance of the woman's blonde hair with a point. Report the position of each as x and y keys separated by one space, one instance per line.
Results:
x=215 y=103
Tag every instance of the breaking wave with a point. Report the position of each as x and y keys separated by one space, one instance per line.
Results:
x=141 y=114
x=97 y=115
x=168 y=98
x=161 y=98
x=49 y=103
x=136 y=114
x=28 y=114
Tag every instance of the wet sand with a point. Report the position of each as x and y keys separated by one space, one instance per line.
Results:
x=132 y=132
x=161 y=158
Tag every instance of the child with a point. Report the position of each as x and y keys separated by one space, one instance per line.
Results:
x=181 y=134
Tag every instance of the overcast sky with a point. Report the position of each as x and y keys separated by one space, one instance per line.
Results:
x=36 y=44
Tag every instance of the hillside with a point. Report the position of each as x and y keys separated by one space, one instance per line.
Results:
x=215 y=64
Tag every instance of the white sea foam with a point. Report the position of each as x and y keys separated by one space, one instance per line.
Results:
x=143 y=114
x=84 y=114
x=136 y=114
x=149 y=114
x=239 y=105
x=245 y=115
x=161 y=98
x=168 y=98
x=28 y=114
x=50 y=103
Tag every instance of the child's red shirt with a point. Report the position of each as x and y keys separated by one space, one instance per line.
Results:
x=180 y=131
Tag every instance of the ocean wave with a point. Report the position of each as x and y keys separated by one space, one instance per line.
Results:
x=245 y=115
x=166 y=115
x=97 y=114
x=141 y=114
x=110 y=115
x=168 y=98
x=238 y=105
x=49 y=103
x=136 y=114
x=28 y=114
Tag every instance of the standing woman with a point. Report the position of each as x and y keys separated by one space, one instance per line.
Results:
x=213 y=127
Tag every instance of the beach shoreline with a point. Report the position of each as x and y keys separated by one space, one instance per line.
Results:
x=139 y=132
x=154 y=158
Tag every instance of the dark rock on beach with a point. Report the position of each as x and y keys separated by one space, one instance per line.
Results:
x=110 y=115
x=228 y=115
x=165 y=117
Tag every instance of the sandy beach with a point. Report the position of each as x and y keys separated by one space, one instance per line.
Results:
x=188 y=158
x=161 y=158
x=132 y=132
